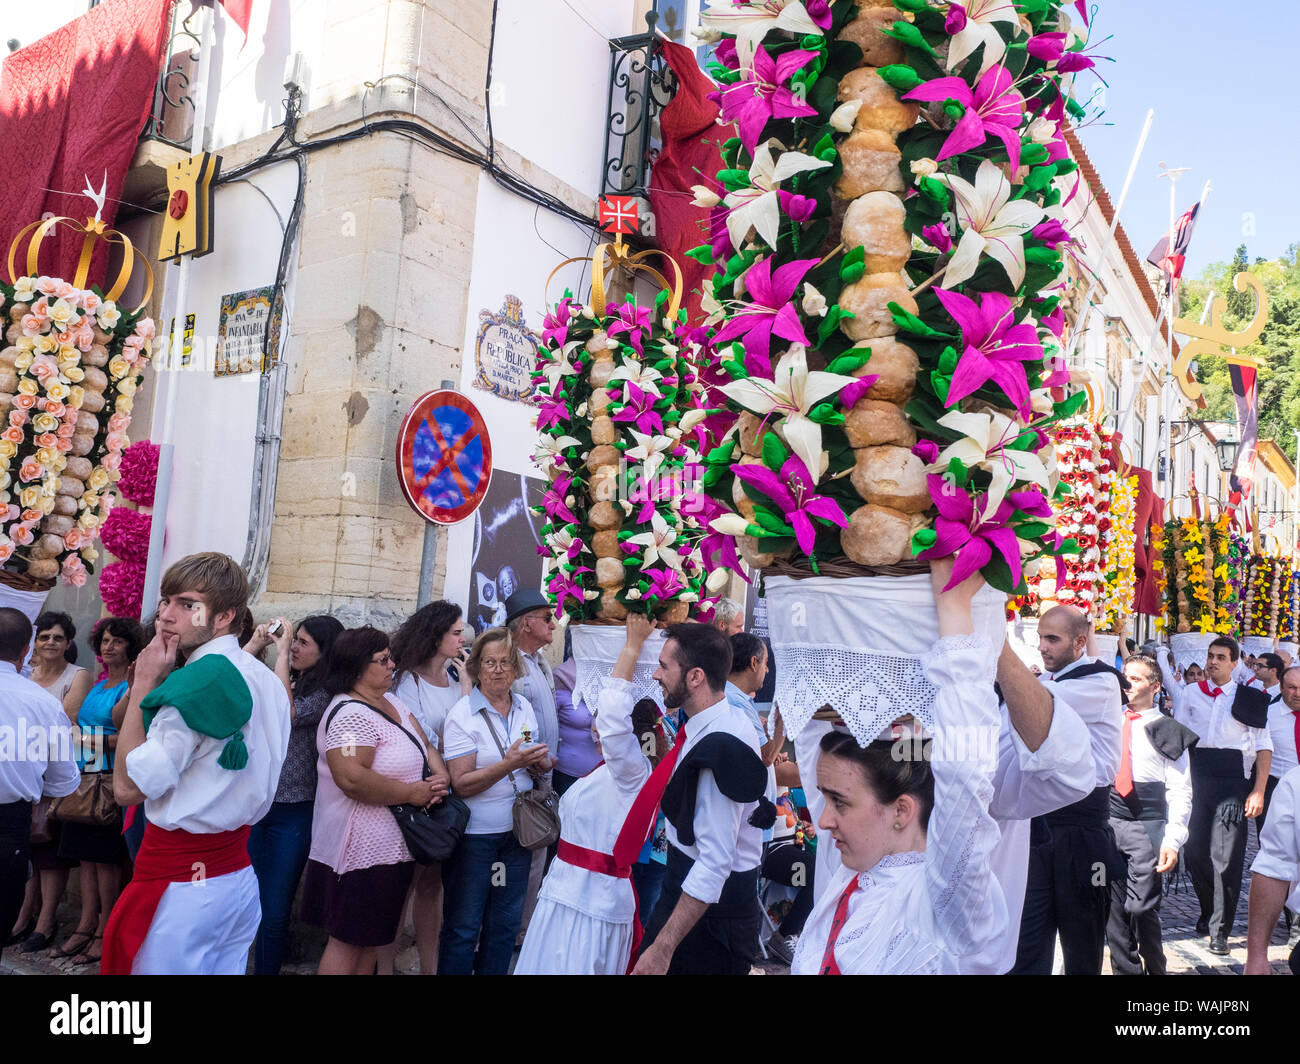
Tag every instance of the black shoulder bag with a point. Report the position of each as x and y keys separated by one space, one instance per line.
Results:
x=431 y=834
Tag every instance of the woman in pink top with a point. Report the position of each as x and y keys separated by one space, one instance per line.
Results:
x=371 y=756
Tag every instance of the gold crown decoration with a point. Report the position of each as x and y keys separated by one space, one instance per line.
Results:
x=93 y=231
x=617 y=214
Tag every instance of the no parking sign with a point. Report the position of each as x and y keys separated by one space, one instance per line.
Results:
x=444 y=457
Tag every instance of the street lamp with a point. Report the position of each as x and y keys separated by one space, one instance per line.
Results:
x=1227 y=452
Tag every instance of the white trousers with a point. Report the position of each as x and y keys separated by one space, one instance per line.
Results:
x=203 y=928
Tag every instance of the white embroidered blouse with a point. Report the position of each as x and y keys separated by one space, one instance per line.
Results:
x=921 y=912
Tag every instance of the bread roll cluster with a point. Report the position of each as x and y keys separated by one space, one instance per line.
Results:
x=888 y=477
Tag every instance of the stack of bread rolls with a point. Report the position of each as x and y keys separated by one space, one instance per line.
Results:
x=888 y=477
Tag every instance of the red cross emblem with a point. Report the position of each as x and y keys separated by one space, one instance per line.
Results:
x=619 y=214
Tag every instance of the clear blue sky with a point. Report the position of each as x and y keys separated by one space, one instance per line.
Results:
x=1222 y=78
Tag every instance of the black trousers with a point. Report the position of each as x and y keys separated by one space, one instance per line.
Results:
x=725 y=940
x=1133 y=927
x=792 y=866
x=15 y=861
x=1072 y=860
x=1216 y=835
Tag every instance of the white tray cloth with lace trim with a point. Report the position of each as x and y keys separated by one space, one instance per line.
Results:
x=857 y=645
x=596 y=648
x=1190 y=648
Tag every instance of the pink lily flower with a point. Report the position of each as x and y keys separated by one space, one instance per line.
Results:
x=638 y=408
x=633 y=320
x=553 y=502
x=551 y=413
x=770 y=311
x=996 y=348
x=563 y=585
x=555 y=327
x=795 y=492
x=664 y=584
x=994 y=109
x=717 y=549
x=964 y=529
x=764 y=94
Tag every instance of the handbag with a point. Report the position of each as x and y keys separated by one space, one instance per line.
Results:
x=431 y=834
x=536 y=813
x=41 y=831
x=91 y=803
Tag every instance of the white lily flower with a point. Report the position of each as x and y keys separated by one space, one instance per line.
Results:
x=560 y=365
x=550 y=447
x=752 y=20
x=730 y=525
x=980 y=28
x=790 y=395
x=987 y=436
x=691 y=418
x=658 y=543
x=813 y=301
x=991 y=224
x=843 y=117
x=560 y=541
x=759 y=206
x=649 y=451
x=717 y=580
x=713 y=310
x=633 y=593
x=644 y=377
x=704 y=196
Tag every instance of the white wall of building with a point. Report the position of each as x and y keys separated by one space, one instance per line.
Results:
x=510 y=257
x=215 y=419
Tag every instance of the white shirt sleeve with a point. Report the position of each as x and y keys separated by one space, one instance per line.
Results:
x=155 y=766
x=62 y=776
x=1176 y=690
x=717 y=827
x=1059 y=773
x=1178 y=796
x=457 y=739
x=964 y=894
x=619 y=745
x=1263 y=739
x=1279 y=846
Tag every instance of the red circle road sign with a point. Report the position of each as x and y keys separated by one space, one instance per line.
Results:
x=444 y=457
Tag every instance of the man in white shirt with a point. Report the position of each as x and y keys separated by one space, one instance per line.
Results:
x=707 y=918
x=1283 y=731
x=1074 y=856
x=531 y=621
x=1231 y=719
x=1268 y=669
x=36 y=760
x=1150 y=805
x=202 y=747
x=1274 y=876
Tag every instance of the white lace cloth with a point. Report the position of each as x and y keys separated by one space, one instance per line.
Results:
x=595 y=650
x=859 y=646
x=921 y=913
x=1189 y=648
x=1256 y=644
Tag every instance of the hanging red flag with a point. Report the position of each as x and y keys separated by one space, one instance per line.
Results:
x=241 y=11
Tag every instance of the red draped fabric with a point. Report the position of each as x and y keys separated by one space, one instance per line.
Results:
x=1149 y=515
x=72 y=106
x=690 y=153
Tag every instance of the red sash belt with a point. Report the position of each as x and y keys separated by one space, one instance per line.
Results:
x=165 y=857
x=591 y=860
x=603 y=864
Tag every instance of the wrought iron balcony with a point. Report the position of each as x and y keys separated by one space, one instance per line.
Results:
x=171 y=119
x=641 y=85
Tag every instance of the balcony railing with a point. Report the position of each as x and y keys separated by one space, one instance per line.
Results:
x=640 y=86
x=171 y=119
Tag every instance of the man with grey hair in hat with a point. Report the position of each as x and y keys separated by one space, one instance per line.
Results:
x=532 y=625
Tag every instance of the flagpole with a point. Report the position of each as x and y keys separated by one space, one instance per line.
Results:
x=1081 y=321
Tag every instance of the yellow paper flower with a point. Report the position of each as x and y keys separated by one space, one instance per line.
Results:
x=28 y=386
x=58 y=390
x=8 y=449
x=30 y=497
x=98 y=479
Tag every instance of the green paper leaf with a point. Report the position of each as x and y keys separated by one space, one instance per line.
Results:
x=702 y=254
x=911 y=36
x=846 y=365
x=923 y=540
x=774 y=453
x=900 y=77
x=734 y=369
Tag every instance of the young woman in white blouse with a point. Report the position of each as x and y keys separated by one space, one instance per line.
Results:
x=916 y=892
x=425 y=647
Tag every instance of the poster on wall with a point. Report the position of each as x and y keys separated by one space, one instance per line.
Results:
x=505 y=352
x=507 y=535
x=241 y=332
